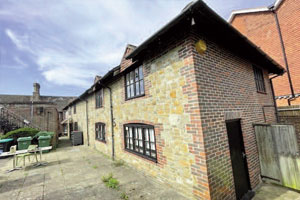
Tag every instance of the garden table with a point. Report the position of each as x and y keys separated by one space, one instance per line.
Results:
x=39 y=163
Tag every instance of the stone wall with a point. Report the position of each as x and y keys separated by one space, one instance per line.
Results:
x=163 y=107
x=187 y=97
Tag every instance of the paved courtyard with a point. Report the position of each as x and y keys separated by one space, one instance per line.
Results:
x=76 y=172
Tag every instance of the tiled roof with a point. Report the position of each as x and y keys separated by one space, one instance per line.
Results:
x=59 y=101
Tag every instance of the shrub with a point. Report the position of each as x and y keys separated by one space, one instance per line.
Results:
x=21 y=132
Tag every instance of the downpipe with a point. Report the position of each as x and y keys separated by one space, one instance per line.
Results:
x=112 y=122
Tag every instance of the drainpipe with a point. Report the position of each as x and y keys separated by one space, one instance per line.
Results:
x=112 y=122
x=284 y=54
x=273 y=95
x=31 y=112
x=87 y=119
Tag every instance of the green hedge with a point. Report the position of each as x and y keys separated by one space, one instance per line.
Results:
x=21 y=132
x=44 y=133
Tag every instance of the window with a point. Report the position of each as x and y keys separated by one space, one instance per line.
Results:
x=135 y=83
x=99 y=98
x=259 y=79
x=40 y=110
x=140 y=139
x=75 y=126
x=100 y=131
x=74 y=107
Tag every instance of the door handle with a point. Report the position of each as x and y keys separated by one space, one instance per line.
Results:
x=243 y=154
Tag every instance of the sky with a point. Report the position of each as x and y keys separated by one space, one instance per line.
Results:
x=64 y=44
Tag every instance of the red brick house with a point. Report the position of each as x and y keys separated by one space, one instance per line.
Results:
x=181 y=106
x=275 y=29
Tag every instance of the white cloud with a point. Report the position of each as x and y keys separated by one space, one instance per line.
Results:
x=72 y=41
x=21 y=42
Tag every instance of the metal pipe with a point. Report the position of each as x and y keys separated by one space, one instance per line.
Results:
x=284 y=53
x=273 y=95
x=112 y=121
x=87 y=120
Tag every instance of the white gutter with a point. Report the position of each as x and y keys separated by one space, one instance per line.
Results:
x=253 y=10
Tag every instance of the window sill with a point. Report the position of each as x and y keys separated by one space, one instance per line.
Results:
x=127 y=99
x=141 y=155
x=103 y=141
x=99 y=107
x=261 y=92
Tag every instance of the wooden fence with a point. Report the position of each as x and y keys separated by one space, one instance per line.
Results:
x=278 y=154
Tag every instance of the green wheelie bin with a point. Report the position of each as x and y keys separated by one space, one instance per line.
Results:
x=24 y=142
x=44 y=141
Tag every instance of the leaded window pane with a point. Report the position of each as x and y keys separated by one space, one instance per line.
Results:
x=141 y=75
x=142 y=91
x=100 y=131
x=134 y=83
x=131 y=77
x=141 y=139
x=137 y=88
x=132 y=90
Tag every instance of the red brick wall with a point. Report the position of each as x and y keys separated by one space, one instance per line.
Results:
x=42 y=120
x=261 y=29
x=126 y=62
x=225 y=84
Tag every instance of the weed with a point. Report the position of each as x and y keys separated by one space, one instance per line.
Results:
x=118 y=163
x=105 y=179
x=110 y=181
x=95 y=166
x=124 y=196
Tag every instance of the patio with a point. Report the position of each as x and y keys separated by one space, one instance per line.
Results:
x=75 y=173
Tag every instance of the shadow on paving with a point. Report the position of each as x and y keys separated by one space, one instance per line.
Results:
x=16 y=183
x=75 y=172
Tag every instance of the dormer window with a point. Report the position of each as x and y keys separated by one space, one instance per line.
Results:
x=99 y=98
x=134 y=81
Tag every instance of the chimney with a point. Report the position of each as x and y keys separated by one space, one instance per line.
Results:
x=36 y=92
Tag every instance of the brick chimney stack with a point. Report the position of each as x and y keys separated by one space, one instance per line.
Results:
x=36 y=92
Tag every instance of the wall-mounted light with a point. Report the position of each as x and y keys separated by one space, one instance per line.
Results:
x=200 y=46
x=193 y=21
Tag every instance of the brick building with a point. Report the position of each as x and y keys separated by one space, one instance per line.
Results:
x=44 y=112
x=279 y=38
x=177 y=105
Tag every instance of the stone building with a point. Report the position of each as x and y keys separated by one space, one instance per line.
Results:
x=177 y=105
x=275 y=29
x=44 y=112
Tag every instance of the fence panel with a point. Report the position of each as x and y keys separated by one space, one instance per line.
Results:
x=278 y=153
x=267 y=153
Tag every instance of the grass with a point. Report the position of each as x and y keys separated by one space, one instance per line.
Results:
x=110 y=182
x=118 y=163
x=95 y=166
x=124 y=196
x=106 y=178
